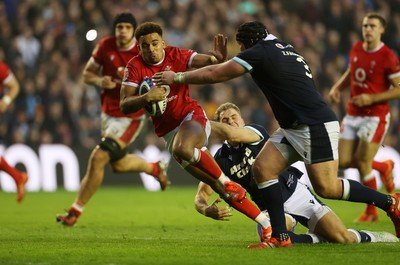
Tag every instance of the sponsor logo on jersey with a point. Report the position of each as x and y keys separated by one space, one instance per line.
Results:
x=290 y=180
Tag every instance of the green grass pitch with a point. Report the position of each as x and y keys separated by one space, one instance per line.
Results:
x=130 y=225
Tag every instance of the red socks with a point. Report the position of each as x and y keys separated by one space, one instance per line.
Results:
x=380 y=166
x=208 y=165
x=13 y=172
x=246 y=207
x=156 y=170
x=371 y=209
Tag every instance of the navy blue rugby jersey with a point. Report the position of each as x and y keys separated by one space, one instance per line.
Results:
x=286 y=80
x=236 y=161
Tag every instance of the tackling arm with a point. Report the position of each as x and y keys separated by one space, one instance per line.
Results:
x=234 y=135
x=204 y=192
x=207 y=75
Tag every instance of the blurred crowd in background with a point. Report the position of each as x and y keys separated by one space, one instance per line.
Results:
x=44 y=43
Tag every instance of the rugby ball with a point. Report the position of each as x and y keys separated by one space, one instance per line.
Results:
x=152 y=108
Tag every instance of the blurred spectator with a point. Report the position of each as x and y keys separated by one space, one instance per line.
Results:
x=29 y=48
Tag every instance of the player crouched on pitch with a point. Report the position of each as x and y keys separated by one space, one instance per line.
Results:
x=236 y=156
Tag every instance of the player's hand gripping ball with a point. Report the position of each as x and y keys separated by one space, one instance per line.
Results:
x=152 y=108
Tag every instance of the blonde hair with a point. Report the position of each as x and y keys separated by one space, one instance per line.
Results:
x=224 y=107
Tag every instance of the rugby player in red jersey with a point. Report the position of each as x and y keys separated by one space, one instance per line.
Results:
x=374 y=77
x=9 y=87
x=184 y=125
x=105 y=70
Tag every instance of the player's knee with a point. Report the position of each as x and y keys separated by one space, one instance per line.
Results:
x=257 y=170
x=99 y=157
x=182 y=152
x=327 y=191
x=113 y=149
x=186 y=153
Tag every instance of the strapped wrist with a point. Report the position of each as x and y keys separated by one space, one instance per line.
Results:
x=179 y=78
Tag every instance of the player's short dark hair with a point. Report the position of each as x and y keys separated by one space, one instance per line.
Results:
x=377 y=16
x=125 y=17
x=249 y=33
x=147 y=28
x=224 y=107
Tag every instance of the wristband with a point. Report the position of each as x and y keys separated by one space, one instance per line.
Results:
x=7 y=100
x=179 y=78
x=100 y=82
x=214 y=59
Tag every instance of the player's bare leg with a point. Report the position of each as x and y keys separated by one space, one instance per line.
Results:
x=95 y=174
x=187 y=150
x=266 y=169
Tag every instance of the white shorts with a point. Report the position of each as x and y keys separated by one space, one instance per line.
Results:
x=305 y=207
x=309 y=143
x=123 y=128
x=368 y=129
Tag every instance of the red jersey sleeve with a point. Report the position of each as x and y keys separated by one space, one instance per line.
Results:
x=392 y=67
x=5 y=72
x=132 y=75
x=98 y=53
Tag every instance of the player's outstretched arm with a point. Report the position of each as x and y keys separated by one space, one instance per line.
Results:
x=217 y=55
x=234 y=134
x=203 y=194
x=207 y=75
x=220 y=48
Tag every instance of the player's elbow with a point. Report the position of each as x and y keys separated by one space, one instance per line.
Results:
x=86 y=77
x=124 y=107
